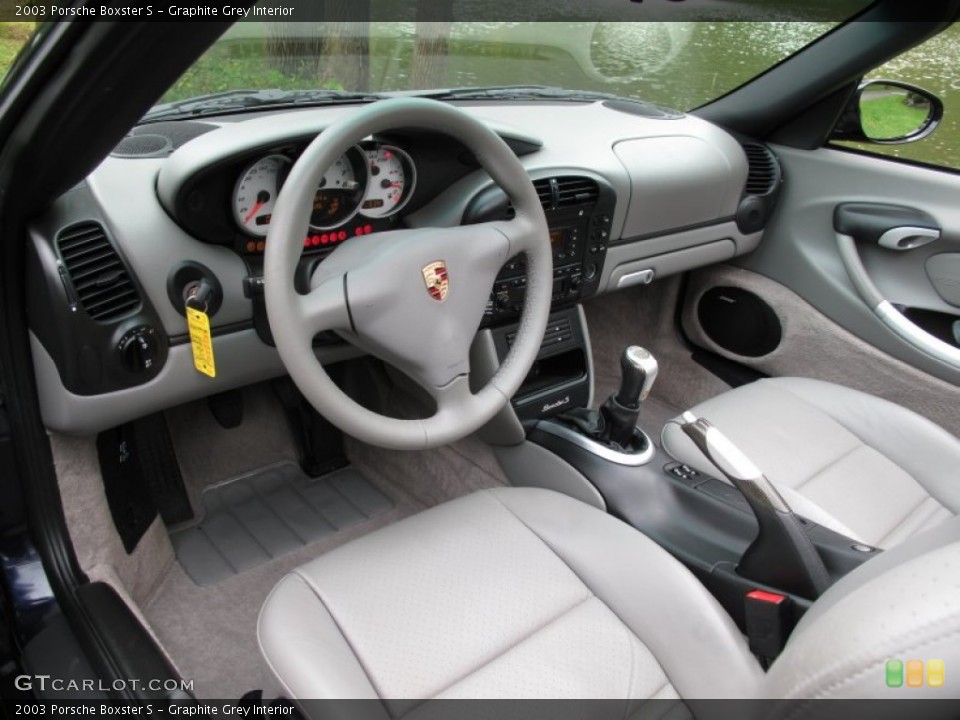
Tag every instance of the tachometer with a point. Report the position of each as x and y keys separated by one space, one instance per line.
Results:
x=256 y=193
x=391 y=180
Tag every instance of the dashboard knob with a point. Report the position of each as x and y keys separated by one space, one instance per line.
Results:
x=138 y=349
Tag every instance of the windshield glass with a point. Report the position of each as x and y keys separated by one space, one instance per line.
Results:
x=678 y=64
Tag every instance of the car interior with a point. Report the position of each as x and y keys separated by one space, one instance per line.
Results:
x=431 y=395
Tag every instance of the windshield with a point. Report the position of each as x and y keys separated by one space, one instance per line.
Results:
x=677 y=64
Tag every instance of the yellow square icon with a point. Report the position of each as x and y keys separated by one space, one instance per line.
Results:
x=914 y=673
x=935 y=673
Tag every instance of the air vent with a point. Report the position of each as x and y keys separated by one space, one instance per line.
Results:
x=563 y=192
x=544 y=192
x=102 y=283
x=764 y=170
x=576 y=191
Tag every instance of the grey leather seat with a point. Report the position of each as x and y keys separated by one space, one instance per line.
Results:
x=856 y=463
x=526 y=593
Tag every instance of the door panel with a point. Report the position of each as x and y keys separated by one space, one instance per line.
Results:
x=802 y=250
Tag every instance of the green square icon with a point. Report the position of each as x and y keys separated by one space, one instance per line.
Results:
x=894 y=673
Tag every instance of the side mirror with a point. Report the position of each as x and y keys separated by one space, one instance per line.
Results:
x=887 y=112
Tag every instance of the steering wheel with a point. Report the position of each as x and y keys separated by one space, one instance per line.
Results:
x=414 y=297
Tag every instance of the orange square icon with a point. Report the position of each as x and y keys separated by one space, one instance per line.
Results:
x=914 y=673
x=935 y=673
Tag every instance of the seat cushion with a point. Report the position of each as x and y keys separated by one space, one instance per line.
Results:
x=858 y=464
x=513 y=592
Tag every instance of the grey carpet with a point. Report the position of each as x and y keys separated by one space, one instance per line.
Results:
x=209 y=453
x=268 y=513
x=211 y=631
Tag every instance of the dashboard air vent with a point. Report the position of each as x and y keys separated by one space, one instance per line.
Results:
x=576 y=191
x=104 y=287
x=764 y=170
x=563 y=192
x=544 y=192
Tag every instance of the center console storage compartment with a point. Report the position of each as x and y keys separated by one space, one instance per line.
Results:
x=560 y=378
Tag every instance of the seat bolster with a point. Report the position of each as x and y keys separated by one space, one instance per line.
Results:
x=304 y=649
x=652 y=593
x=903 y=604
x=926 y=451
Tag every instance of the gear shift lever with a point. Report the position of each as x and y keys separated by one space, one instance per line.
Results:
x=639 y=371
x=613 y=428
x=621 y=410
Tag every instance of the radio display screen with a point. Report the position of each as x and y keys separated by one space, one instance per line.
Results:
x=557 y=235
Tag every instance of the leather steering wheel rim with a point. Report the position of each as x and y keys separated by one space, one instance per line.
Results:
x=382 y=292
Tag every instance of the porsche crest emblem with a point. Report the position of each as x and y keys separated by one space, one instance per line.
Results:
x=436 y=280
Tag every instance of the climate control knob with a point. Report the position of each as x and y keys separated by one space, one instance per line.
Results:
x=138 y=349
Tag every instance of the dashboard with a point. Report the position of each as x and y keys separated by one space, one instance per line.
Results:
x=629 y=195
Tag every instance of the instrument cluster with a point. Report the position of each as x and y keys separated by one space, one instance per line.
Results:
x=370 y=183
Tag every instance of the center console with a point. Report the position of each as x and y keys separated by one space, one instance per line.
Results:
x=579 y=211
x=738 y=537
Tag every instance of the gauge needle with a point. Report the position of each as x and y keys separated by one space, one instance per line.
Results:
x=253 y=212
x=262 y=198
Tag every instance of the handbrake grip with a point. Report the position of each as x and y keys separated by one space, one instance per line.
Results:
x=782 y=555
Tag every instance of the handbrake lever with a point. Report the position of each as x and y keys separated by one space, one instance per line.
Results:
x=782 y=555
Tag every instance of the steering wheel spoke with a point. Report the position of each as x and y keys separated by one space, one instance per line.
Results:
x=323 y=308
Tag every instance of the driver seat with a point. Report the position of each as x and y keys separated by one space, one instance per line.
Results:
x=526 y=593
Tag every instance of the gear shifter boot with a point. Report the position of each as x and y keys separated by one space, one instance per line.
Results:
x=618 y=422
x=595 y=425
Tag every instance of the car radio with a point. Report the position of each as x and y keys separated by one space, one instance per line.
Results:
x=579 y=212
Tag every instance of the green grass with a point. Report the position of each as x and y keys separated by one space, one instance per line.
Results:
x=889 y=116
x=8 y=51
x=13 y=36
x=19 y=31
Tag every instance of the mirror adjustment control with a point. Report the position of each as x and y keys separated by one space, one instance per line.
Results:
x=138 y=349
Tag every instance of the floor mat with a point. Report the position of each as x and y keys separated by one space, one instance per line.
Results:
x=260 y=516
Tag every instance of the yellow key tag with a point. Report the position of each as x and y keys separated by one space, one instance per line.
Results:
x=201 y=342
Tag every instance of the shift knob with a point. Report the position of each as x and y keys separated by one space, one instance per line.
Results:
x=639 y=369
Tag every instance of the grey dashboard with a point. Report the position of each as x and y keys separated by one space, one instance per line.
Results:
x=646 y=196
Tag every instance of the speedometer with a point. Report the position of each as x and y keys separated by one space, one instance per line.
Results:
x=392 y=179
x=256 y=193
